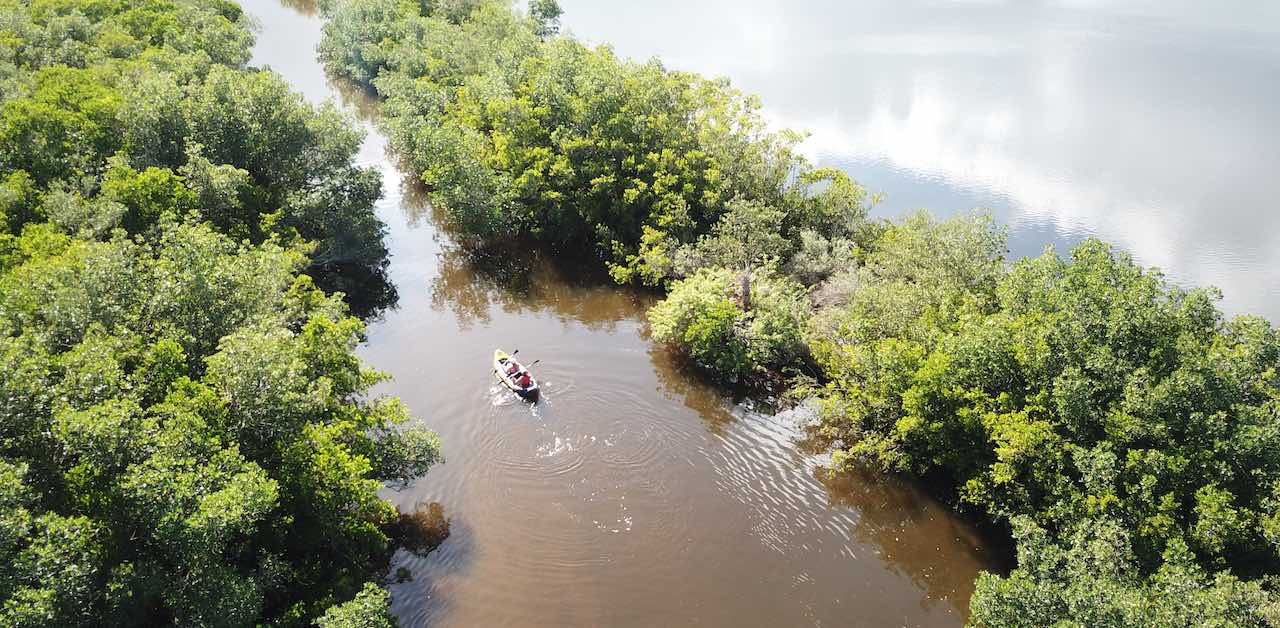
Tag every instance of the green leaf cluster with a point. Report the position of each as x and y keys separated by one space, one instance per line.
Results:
x=1091 y=578
x=518 y=132
x=1081 y=396
x=118 y=113
x=187 y=436
x=705 y=316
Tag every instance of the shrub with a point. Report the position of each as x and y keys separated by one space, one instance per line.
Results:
x=703 y=316
x=191 y=408
x=1093 y=579
x=1059 y=392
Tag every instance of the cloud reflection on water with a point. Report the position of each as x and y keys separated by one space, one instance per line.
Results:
x=1148 y=124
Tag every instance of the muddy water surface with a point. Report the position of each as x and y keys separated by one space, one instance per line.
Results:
x=633 y=495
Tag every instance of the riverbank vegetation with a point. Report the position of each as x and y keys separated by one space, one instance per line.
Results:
x=1122 y=427
x=186 y=435
x=518 y=133
x=116 y=114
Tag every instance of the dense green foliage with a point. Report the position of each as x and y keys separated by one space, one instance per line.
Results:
x=516 y=131
x=1126 y=425
x=186 y=436
x=116 y=113
x=704 y=314
x=1123 y=425
x=1092 y=579
x=367 y=610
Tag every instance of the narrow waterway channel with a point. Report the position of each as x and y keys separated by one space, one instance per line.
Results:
x=633 y=495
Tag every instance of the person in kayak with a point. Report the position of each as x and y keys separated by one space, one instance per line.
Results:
x=523 y=380
x=512 y=368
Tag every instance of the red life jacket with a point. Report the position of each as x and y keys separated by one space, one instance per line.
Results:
x=524 y=381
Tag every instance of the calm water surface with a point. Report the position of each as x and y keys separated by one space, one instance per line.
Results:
x=635 y=495
x=1148 y=123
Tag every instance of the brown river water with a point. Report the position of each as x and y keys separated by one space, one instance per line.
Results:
x=633 y=494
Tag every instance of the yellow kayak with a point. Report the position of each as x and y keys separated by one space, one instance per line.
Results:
x=502 y=362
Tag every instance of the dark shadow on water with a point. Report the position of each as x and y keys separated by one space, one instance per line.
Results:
x=432 y=550
x=421 y=531
x=469 y=283
x=905 y=521
x=864 y=487
x=521 y=278
x=681 y=380
x=367 y=292
x=356 y=97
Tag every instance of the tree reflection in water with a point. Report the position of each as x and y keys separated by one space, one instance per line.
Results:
x=422 y=530
x=521 y=279
x=899 y=517
x=305 y=7
x=681 y=381
x=367 y=292
x=434 y=552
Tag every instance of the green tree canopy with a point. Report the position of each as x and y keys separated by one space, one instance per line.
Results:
x=186 y=436
x=126 y=111
x=1062 y=392
x=194 y=442
x=518 y=132
x=703 y=315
